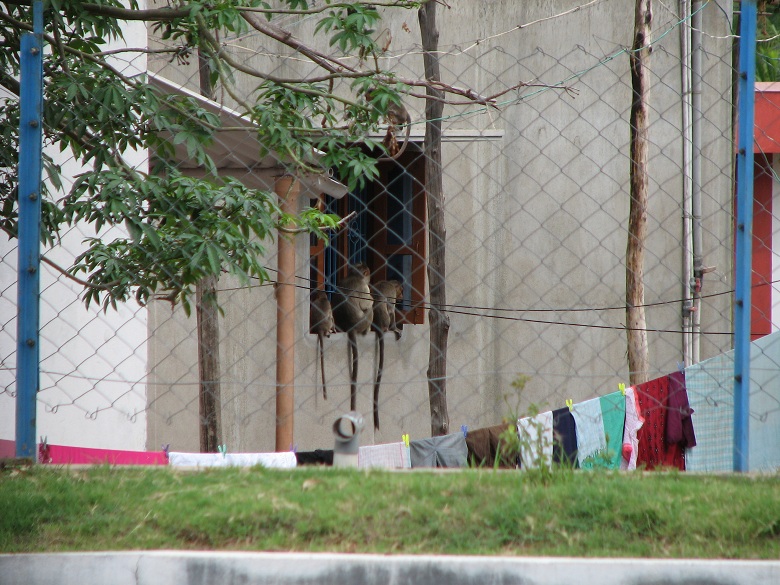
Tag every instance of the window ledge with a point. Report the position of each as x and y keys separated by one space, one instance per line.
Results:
x=452 y=135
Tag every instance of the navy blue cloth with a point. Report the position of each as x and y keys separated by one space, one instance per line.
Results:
x=564 y=437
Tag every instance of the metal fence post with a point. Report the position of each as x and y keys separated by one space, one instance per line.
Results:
x=30 y=167
x=747 y=68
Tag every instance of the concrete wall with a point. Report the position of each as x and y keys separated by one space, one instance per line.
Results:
x=536 y=219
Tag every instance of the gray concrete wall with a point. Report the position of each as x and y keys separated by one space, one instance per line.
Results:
x=207 y=568
x=536 y=218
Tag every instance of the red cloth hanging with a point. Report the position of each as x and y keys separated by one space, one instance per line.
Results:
x=654 y=451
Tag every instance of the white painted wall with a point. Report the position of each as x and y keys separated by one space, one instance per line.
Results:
x=93 y=364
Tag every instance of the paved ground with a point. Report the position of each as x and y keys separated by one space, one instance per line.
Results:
x=217 y=568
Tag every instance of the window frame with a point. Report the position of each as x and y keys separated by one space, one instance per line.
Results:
x=372 y=238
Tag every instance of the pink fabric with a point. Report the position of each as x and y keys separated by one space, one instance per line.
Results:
x=634 y=422
x=62 y=455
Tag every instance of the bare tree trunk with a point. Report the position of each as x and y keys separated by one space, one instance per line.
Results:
x=437 y=234
x=638 y=360
x=209 y=397
x=209 y=392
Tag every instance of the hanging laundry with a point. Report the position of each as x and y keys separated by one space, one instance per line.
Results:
x=679 y=424
x=536 y=440
x=591 y=441
x=444 y=451
x=654 y=451
x=284 y=460
x=564 y=437
x=485 y=447
x=613 y=413
x=634 y=422
x=66 y=455
x=316 y=457
x=386 y=455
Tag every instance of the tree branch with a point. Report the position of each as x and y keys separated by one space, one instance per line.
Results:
x=74 y=278
x=286 y=38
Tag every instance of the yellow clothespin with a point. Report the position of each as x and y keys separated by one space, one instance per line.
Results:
x=622 y=388
x=570 y=403
x=405 y=439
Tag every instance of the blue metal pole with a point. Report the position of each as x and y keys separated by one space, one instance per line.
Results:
x=744 y=253
x=30 y=168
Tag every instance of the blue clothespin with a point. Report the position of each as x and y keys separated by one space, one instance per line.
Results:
x=681 y=366
x=166 y=447
x=465 y=430
x=222 y=449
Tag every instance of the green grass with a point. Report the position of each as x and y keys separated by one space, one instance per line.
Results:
x=480 y=512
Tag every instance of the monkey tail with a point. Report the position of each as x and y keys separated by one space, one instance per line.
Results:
x=322 y=366
x=353 y=373
x=400 y=151
x=380 y=338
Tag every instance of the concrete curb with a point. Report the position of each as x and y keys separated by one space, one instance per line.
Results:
x=239 y=568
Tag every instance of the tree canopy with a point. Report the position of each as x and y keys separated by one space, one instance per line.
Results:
x=178 y=229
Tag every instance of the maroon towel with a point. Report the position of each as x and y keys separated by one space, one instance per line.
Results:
x=679 y=424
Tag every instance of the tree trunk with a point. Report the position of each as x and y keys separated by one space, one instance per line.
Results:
x=638 y=360
x=437 y=234
x=209 y=393
x=209 y=398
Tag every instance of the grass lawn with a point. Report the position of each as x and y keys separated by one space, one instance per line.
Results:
x=482 y=512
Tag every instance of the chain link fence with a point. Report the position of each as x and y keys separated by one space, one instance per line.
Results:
x=536 y=197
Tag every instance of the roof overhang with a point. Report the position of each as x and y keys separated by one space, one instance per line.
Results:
x=236 y=150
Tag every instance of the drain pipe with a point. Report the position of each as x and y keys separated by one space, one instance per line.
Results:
x=347 y=430
x=698 y=260
x=287 y=189
x=687 y=188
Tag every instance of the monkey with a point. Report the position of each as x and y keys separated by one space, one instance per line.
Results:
x=385 y=294
x=321 y=320
x=353 y=313
x=396 y=115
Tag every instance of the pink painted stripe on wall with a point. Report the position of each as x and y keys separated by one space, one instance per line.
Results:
x=7 y=448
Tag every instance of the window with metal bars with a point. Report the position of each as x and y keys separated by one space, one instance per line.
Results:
x=387 y=234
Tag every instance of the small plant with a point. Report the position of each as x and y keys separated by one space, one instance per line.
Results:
x=509 y=447
x=529 y=443
x=524 y=443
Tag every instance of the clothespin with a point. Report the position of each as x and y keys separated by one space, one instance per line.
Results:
x=165 y=449
x=405 y=440
x=570 y=403
x=465 y=430
x=622 y=388
x=681 y=366
x=43 y=450
x=222 y=449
